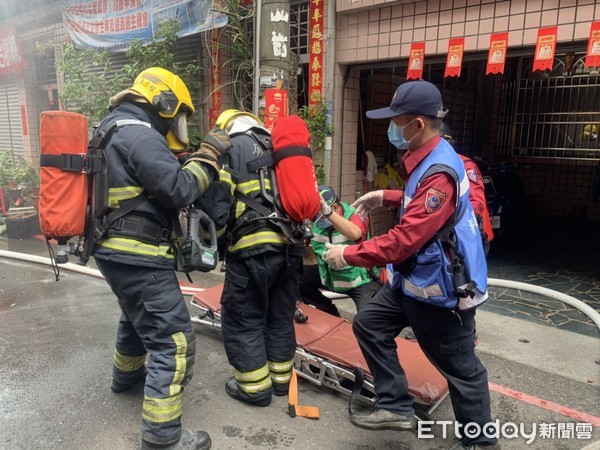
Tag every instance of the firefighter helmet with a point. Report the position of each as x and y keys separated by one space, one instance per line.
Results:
x=165 y=91
x=170 y=97
x=235 y=121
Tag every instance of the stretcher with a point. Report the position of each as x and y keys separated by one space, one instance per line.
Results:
x=327 y=354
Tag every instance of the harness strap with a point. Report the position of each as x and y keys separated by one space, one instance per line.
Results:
x=127 y=206
x=65 y=161
x=271 y=159
x=359 y=381
x=140 y=228
x=266 y=213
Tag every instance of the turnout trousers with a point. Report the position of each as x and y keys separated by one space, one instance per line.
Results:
x=257 y=320
x=446 y=338
x=154 y=321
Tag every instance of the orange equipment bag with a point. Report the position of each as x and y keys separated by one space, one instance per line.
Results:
x=63 y=177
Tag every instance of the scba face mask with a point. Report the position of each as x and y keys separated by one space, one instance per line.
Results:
x=177 y=137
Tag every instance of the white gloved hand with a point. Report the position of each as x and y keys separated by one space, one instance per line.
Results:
x=325 y=208
x=367 y=202
x=334 y=256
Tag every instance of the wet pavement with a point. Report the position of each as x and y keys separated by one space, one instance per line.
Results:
x=562 y=256
x=56 y=344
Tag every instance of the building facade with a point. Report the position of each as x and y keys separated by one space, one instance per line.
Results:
x=536 y=120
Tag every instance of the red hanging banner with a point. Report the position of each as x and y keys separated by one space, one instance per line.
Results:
x=416 y=61
x=592 y=58
x=315 y=67
x=544 y=49
x=11 y=57
x=497 y=53
x=456 y=48
x=215 y=79
x=276 y=106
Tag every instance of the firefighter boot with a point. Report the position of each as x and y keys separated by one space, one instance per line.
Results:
x=233 y=390
x=117 y=387
x=189 y=440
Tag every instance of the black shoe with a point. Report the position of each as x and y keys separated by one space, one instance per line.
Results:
x=233 y=390
x=188 y=441
x=383 y=419
x=299 y=316
x=281 y=389
x=117 y=387
x=460 y=446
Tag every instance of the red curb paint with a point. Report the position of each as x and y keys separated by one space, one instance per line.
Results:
x=545 y=404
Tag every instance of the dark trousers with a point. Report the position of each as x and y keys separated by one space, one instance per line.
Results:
x=310 y=285
x=257 y=310
x=154 y=319
x=446 y=338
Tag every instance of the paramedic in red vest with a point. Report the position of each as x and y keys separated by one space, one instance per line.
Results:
x=477 y=195
x=337 y=223
x=422 y=292
x=155 y=343
x=261 y=283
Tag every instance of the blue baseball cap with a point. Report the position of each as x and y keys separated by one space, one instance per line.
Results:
x=414 y=98
x=328 y=195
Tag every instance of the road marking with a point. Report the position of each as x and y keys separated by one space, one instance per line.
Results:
x=545 y=404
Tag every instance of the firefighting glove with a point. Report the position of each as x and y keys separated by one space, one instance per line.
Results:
x=334 y=256
x=215 y=144
x=326 y=209
x=367 y=202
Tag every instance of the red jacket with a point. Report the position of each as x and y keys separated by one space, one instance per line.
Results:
x=477 y=195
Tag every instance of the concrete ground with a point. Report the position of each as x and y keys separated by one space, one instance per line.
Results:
x=56 y=344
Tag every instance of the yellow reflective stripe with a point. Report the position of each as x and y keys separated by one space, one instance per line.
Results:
x=282 y=378
x=128 y=363
x=180 y=362
x=161 y=410
x=252 y=382
x=262 y=237
x=137 y=247
x=240 y=208
x=252 y=186
x=281 y=372
x=281 y=366
x=252 y=388
x=199 y=173
x=225 y=176
x=117 y=195
x=255 y=375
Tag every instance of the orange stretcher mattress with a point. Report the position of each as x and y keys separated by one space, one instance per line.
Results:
x=331 y=340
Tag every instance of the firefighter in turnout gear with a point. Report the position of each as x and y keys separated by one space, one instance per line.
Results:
x=261 y=285
x=155 y=341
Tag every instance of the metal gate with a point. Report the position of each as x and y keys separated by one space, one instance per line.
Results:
x=11 y=128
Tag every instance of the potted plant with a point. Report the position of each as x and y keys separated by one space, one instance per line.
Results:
x=18 y=178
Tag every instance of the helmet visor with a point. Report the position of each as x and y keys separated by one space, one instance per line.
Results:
x=180 y=129
x=241 y=124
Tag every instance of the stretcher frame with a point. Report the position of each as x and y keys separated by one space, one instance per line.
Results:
x=331 y=371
